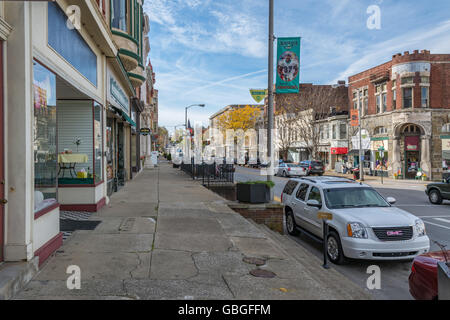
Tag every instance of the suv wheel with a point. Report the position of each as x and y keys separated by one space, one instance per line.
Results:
x=284 y=174
x=335 y=252
x=291 y=226
x=435 y=197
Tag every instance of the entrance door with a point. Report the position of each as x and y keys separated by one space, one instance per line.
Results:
x=2 y=172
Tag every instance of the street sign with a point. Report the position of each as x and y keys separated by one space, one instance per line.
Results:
x=145 y=131
x=258 y=95
x=325 y=216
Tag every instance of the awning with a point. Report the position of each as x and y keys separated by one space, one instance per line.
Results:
x=124 y=116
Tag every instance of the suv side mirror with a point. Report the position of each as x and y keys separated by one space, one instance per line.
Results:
x=313 y=203
x=391 y=200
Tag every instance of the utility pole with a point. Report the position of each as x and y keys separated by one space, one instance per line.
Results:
x=361 y=152
x=270 y=89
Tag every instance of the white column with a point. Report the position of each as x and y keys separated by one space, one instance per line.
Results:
x=425 y=161
x=396 y=162
x=19 y=134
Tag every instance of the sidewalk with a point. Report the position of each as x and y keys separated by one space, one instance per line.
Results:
x=400 y=183
x=165 y=236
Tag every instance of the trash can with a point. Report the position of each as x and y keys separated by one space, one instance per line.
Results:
x=356 y=174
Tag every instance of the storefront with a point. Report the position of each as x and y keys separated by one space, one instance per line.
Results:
x=365 y=143
x=445 y=154
x=118 y=132
x=412 y=156
x=339 y=157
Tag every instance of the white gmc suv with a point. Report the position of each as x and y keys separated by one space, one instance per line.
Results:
x=364 y=224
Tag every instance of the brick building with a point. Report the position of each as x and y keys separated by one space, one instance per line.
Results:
x=405 y=108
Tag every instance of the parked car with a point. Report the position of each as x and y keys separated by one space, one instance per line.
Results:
x=364 y=226
x=437 y=192
x=423 y=283
x=290 y=170
x=313 y=167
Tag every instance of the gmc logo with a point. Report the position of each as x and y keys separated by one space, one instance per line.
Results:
x=394 y=233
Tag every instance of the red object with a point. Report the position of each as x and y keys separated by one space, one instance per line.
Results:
x=339 y=150
x=47 y=249
x=412 y=143
x=423 y=278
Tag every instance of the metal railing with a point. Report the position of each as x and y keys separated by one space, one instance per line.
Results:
x=210 y=174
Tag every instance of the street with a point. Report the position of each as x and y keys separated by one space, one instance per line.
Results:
x=411 y=198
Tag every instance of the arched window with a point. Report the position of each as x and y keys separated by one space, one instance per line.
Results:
x=381 y=130
x=446 y=128
x=412 y=129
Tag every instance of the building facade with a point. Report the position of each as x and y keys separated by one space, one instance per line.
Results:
x=70 y=104
x=405 y=106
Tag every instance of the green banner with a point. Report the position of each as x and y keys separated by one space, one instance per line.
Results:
x=288 y=65
x=258 y=94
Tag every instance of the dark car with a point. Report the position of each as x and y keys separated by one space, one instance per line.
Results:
x=423 y=283
x=438 y=191
x=313 y=167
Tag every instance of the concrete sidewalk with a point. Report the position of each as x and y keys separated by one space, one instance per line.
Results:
x=165 y=236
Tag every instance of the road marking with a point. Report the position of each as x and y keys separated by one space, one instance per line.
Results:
x=437 y=225
x=442 y=220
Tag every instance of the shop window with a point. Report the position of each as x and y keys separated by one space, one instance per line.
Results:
x=70 y=44
x=119 y=14
x=45 y=149
x=407 y=98
x=425 y=97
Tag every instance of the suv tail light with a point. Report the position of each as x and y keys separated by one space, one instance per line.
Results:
x=289 y=169
x=310 y=167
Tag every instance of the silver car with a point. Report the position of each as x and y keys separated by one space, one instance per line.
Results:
x=364 y=225
x=290 y=170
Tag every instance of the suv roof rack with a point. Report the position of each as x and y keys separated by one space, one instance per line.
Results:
x=308 y=179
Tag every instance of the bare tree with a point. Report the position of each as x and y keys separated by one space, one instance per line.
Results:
x=313 y=103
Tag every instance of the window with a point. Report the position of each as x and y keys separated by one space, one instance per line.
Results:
x=322 y=132
x=446 y=128
x=290 y=186
x=334 y=132
x=425 y=79
x=314 y=194
x=394 y=99
x=302 y=190
x=425 y=100
x=407 y=98
x=394 y=84
x=407 y=80
x=343 y=131
x=384 y=102
x=378 y=98
x=380 y=130
x=45 y=149
x=119 y=15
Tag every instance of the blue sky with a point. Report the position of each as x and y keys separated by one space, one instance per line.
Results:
x=214 y=51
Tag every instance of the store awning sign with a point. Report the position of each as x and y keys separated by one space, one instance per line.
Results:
x=145 y=131
x=412 y=143
x=288 y=65
x=338 y=151
x=118 y=95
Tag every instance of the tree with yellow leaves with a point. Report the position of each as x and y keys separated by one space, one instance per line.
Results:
x=239 y=118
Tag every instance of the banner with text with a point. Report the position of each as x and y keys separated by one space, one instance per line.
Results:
x=288 y=65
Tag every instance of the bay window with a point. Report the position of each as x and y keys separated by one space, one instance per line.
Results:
x=425 y=97
x=119 y=14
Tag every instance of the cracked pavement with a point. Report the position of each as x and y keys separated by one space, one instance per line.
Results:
x=164 y=236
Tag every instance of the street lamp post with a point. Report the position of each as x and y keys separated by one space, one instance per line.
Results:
x=270 y=89
x=185 y=118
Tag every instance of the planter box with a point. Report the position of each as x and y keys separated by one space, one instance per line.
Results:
x=253 y=193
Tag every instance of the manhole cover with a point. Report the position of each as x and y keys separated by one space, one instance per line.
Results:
x=262 y=273
x=256 y=261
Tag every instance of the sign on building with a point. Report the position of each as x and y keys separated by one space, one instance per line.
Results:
x=354 y=117
x=288 y=65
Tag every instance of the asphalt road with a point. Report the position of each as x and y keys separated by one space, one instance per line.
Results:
x=394 y=274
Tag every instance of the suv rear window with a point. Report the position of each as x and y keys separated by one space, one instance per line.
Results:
x=290 y=186
x=316 y=163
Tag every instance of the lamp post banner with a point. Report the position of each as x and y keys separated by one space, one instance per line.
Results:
x=288 y=65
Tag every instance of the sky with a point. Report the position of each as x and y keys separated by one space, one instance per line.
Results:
x=214 y=51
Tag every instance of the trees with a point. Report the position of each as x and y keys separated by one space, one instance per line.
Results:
x=301 y=112
x=239 y=118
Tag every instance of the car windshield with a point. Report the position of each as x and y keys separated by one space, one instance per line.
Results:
x=353 y=198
